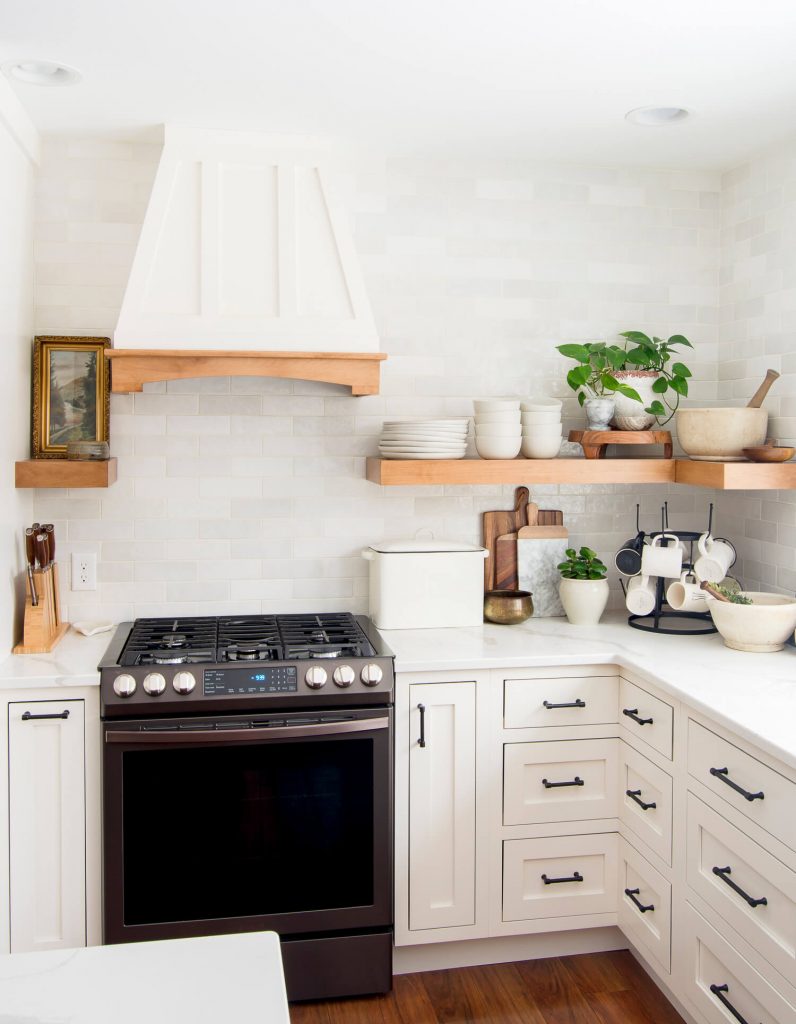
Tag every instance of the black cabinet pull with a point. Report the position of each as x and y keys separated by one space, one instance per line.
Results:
x=422 y=709
x=718 y=991
x=723 y=774
x=577 y=877
x=724 y=875
x=635 y=795
x=28 y=717
x=641 y=907
x=633 y=713
x=574 y=704
x=577 y=781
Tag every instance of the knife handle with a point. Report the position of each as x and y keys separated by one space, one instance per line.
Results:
x=30 y=547
x=42 y=553
x=49 y=529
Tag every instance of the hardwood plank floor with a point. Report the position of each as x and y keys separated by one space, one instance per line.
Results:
x=597 y=988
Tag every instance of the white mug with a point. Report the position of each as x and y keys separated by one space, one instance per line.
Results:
x=657 y=560
x=716 y=558
x=640 y=595
x=685 y=595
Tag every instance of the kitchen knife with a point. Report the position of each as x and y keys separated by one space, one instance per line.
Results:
x=42 y=550
x=30 y=553
x=49 y=529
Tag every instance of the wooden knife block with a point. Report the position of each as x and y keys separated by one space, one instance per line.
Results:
x=42 y=628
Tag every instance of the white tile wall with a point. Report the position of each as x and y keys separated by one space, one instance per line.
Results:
x=249 y=494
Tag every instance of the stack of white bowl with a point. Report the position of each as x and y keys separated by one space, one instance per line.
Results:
x=498 y=432
x=541 y=428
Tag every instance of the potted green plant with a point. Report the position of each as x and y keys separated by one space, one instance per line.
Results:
x=584 y=588
x=594 y=380
x=659 y=386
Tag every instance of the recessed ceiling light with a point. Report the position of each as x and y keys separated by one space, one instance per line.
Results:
x=41 y=72
x=656 y=117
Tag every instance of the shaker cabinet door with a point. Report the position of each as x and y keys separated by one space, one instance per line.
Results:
x=442 y=805
x=47 y=825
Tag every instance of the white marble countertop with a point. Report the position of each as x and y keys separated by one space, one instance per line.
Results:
x=754 y=695
x=73 y=662
x=222 y=978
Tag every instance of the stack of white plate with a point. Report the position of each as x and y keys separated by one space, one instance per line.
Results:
x=497 y=428
x=541 y=428
x=424 y=439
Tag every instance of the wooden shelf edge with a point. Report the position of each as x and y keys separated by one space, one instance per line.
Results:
x=64 y=473
x=395 y=472
x=737 y=476
x=132 y=368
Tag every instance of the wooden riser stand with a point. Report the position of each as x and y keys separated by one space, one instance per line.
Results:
x=42 y=628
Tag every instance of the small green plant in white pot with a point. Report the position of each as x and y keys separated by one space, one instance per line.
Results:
x=584 y=588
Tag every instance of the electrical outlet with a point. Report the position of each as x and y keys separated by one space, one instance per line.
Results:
x=84 y=571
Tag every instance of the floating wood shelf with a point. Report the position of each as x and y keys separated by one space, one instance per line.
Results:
x=132 y=368
x=717 y=475
x=64 y=473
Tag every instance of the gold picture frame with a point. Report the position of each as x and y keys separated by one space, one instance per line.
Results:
x=71 y=393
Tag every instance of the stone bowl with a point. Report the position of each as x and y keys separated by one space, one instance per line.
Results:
x=760 y=627
x=720 y=435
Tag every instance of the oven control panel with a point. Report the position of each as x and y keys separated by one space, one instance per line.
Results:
x=253 y=679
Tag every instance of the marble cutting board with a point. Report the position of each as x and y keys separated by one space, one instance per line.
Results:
x=539 y=550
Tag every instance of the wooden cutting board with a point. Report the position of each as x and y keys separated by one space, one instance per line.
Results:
x=495 y=524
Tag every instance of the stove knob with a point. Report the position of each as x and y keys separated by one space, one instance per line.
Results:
x=372 y=675
x=344 y=675
x=316 y=677
x=184 y=682
x=154 y=684
x=124 y=685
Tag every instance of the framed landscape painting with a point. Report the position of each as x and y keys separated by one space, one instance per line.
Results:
x=71 y=394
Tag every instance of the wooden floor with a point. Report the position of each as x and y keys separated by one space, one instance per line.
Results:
x=598 y=988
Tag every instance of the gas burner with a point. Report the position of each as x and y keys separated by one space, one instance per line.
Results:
x=250 y=652
x=174 y=639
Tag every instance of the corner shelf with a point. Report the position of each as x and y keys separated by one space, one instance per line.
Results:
x=737 y=476
x=132 y=368
x=64 y=473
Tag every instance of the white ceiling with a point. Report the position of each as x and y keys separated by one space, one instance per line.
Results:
x=547 y=79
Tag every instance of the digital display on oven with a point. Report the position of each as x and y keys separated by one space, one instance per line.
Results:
x=254 y=679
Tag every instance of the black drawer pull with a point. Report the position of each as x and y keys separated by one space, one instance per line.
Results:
x=28 y=717
x=633 y=713
x=635 y=795
x=724 y=873
x=577 y=877
x=577 y=781
x=718 y=991
x=422 y=709
x=642 y=908
x=574 y=704
x=723 y=774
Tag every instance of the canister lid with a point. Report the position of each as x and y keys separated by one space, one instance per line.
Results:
x=408 y=547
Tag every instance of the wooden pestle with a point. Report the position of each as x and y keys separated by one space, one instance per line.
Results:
x=757 y=398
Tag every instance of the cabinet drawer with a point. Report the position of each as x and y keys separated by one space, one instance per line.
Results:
x=560 y=781
x=645 y=800
x=713 y=844
x=645 y=904
x=768 y=798
x=584 y=700
x=647 y=717
x=559 y=877
x=716 y=975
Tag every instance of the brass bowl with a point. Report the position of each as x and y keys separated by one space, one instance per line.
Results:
x=507 y=607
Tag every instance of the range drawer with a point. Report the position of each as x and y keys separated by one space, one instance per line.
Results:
x=649 y=718
x=721 y=984
x=645 y=904
x=560 y=877
x=584 y=700
x=559 y=781
x=757 y=791
x=645 y=800
x=721 y=860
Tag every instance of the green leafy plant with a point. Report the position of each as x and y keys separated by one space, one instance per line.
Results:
x=582 y=565
x=594 y=374
x=654 y=354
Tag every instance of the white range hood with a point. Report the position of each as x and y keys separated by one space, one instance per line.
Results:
x=243 y=248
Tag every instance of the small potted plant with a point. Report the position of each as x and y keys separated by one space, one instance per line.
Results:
x=584 y=588
x=659 y=387
x=595 y=382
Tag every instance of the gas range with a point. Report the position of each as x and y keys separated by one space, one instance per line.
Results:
x=165 y=666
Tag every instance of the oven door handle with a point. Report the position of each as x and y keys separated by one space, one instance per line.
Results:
x=252 y=735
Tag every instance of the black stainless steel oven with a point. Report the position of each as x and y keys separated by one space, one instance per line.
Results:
x=250 y=820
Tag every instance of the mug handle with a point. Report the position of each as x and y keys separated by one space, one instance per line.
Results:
x=702 y=544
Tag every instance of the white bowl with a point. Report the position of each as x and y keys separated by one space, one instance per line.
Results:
x=551 y=432
x=495 y=404
x=761 y=627
x=505 y=416
x=542 y=416
x=498 y=430
x=534 y=448
x=540 y=404
x=498 y=447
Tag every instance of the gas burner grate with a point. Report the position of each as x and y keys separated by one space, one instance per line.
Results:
x=162 y=641
x=249 y=638
x=327 y=635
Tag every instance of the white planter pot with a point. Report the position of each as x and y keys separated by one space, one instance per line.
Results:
x=599 y=412
x=629 y=413
x=584 y=601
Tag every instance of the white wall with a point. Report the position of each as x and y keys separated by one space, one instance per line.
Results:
x=18 y=152
x=248 y=495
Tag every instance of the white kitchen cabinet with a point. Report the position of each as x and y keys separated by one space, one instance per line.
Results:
x=442 y=797
x=47 y=825
x=645 y=800
x=646 y=717
x=645 y=904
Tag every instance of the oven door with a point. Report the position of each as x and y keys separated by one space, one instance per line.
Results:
x=279 y=822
